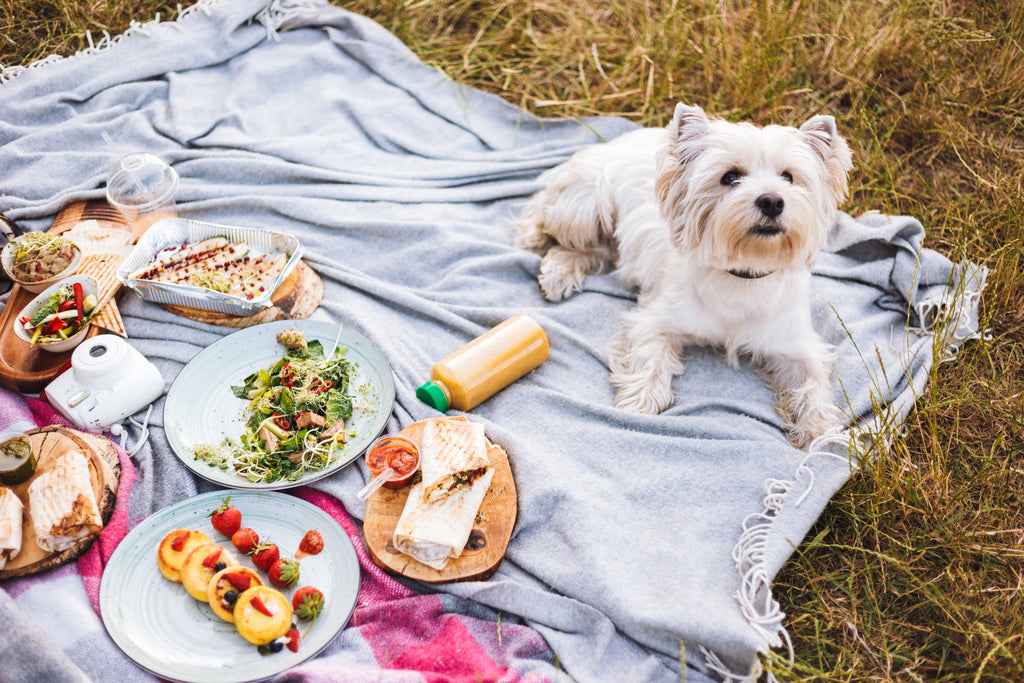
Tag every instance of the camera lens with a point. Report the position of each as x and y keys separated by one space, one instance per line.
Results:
x=98 y=350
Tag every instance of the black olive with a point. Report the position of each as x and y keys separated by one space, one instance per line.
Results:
x=230 y=597
x=220 y=566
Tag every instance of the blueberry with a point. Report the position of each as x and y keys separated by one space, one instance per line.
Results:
x=220 y=566
x=230 y=597
x=276 y=646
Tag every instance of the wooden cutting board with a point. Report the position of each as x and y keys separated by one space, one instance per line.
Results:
x=29 y=370
x=105 y=470
x=487 y=541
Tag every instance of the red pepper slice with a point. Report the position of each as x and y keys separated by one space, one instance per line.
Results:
x=66 y=305
x=79 y=302
x=54 y=325
x=281 y=421
x=288 y=375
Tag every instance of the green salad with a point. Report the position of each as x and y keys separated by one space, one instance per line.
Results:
x=295 y=417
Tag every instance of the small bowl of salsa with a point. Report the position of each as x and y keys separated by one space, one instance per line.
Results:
x=396 y=452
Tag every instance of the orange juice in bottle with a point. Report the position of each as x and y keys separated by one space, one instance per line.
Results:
x=492 y=361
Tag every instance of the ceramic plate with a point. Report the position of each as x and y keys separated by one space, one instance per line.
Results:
x=200 y=408
x=167 y=632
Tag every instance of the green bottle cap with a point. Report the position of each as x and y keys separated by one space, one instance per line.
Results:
x=433 y=396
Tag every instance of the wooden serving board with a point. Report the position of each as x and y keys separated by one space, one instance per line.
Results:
x=29 y=370
x=105 y=469
x=487 y=541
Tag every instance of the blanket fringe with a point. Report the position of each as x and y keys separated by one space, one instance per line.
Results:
x=754 y=596
x=276 y=16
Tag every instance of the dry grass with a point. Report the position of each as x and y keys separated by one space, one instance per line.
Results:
x=915 y=572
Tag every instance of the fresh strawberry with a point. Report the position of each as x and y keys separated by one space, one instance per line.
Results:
x=265 y=555
x=283 y=573
x=226 y=519
x=260 y=606
x=179 y=541
x=240 y=580
x=293 y=639
x=245 y=540
x=311 y=544
x=307 y=602
x=211 y=560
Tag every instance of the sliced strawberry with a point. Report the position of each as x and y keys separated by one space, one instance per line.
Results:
x=212 y=559
x=179 y=541
x=260 y=606
x=240 y=580
x=311 y=544
x=293 y=640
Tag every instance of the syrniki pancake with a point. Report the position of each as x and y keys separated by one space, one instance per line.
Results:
x=453 y=454
x=11 y=511
x=63 y=503
x=175 y=548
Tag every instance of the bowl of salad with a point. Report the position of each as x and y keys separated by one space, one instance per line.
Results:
x=39 y=260
x=59 y=318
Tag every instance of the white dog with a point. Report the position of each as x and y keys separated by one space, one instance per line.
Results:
x=718 y=225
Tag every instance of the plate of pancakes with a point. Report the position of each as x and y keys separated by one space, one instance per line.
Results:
x=153 y=589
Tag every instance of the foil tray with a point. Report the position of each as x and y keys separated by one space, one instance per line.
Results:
x=174 y=231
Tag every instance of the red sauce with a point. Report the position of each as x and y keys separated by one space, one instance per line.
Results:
x=399 y=454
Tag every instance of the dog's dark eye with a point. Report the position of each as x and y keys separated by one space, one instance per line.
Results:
x=731 y=177
x=787 y=176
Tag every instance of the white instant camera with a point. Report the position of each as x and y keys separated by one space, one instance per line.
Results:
x=108 y=381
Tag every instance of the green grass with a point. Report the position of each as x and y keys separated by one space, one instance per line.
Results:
x=915 y=571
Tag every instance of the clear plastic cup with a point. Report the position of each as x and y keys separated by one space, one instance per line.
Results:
x=142 y=187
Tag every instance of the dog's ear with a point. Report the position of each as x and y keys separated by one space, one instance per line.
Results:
x=820 y=133
x=689 y=126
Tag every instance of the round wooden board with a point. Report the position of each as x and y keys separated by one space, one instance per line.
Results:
x=487 y=541
x=105 y=470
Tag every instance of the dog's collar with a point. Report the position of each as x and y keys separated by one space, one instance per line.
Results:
x=750 y=274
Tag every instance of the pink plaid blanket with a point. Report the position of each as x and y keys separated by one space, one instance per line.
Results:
x=394 y=634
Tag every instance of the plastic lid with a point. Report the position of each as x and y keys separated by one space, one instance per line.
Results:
x=141 y=180
x=433 y=396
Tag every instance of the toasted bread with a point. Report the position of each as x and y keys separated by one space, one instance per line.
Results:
x=174 y=549
x=255 y=626
x=221 y=584
x=195 y=575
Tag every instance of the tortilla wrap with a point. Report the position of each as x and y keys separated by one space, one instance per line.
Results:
x=10 y=525
x=63 y=504
x=435 y=532
x=451 y=451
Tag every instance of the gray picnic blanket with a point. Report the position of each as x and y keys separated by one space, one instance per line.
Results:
x=642 y=542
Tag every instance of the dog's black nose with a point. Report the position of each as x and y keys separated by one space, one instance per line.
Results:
x=771 y=205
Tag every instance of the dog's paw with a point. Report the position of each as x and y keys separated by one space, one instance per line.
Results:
x=641 y=395
x=813 y=423
x=560 y=275
x=530 y=234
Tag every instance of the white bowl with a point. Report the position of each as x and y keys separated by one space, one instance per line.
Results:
x=89 y=286
x=7 y=261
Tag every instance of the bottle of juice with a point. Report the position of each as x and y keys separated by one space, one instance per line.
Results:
x=492 y=361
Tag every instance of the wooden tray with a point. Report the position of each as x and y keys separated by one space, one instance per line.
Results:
x=487 y=541
x=29 y=370
x=49 y=443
